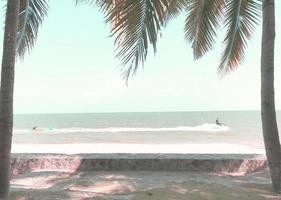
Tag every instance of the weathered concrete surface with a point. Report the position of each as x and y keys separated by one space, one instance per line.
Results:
x=220 y=163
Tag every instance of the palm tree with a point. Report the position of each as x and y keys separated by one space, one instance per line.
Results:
x=6 y=93
x=141 y=23
x=135 y=24
x=240 y=18
x=269 y=125
x=23 y=18
x=28 y=16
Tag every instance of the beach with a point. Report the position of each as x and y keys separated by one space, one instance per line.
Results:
x=110 y=171
x=80 y=121
x=138 y=156
x=141 y=185
x=107 y=148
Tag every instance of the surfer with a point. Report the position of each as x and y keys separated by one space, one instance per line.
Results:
x=218 y=123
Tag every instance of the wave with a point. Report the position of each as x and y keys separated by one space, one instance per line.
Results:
x=204 y=128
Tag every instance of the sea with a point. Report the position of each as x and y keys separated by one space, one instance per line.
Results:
x=239 y=127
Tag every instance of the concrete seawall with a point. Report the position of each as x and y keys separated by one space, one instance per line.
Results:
x=218 y=163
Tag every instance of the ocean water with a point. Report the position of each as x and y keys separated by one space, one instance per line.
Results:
x=240 y=127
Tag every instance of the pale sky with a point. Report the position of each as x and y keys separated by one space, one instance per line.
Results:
x=72 y=69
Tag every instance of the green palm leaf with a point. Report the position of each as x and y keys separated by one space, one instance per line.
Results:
x=203 y=17
x=32 y=13
x=241 y=18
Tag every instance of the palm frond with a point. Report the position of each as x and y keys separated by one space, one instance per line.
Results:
x=135 y=25
x=85 y=1
x=175 y=8
x=203 y=17
x=242 y=16
x=31 y=15
x=103 y=5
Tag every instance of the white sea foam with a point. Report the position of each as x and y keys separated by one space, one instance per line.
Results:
x=207 y=127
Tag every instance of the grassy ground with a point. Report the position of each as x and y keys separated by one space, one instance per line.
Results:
x=142 y=185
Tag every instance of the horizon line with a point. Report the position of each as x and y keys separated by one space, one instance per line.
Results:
x=116 y=112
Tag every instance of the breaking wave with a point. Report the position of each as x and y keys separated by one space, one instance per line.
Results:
x=207 y=127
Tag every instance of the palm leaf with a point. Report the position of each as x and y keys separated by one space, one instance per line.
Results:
x=104 y=5
x=203 y=17
x=135 y=25
x=175 y=8
x=93 y=2
x=242 y=16
x=31 y=15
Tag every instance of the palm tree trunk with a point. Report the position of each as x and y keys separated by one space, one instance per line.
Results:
x=6 y=94
x=269 y=125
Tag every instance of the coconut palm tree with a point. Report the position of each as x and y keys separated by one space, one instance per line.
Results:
x=23 y=18
x=135 y=24
x=269 y=125
x=141 y=23
x=6 y=94
x=239 y=18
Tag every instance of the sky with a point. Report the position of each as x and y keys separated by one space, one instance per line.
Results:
x=73 y=69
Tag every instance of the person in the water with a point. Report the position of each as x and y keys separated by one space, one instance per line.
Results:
x=218 y=123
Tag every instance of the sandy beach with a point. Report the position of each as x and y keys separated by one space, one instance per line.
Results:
x=187 y=148
x=80 y=121
x=142 y=185
x=72 y=171
x=55 y=171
